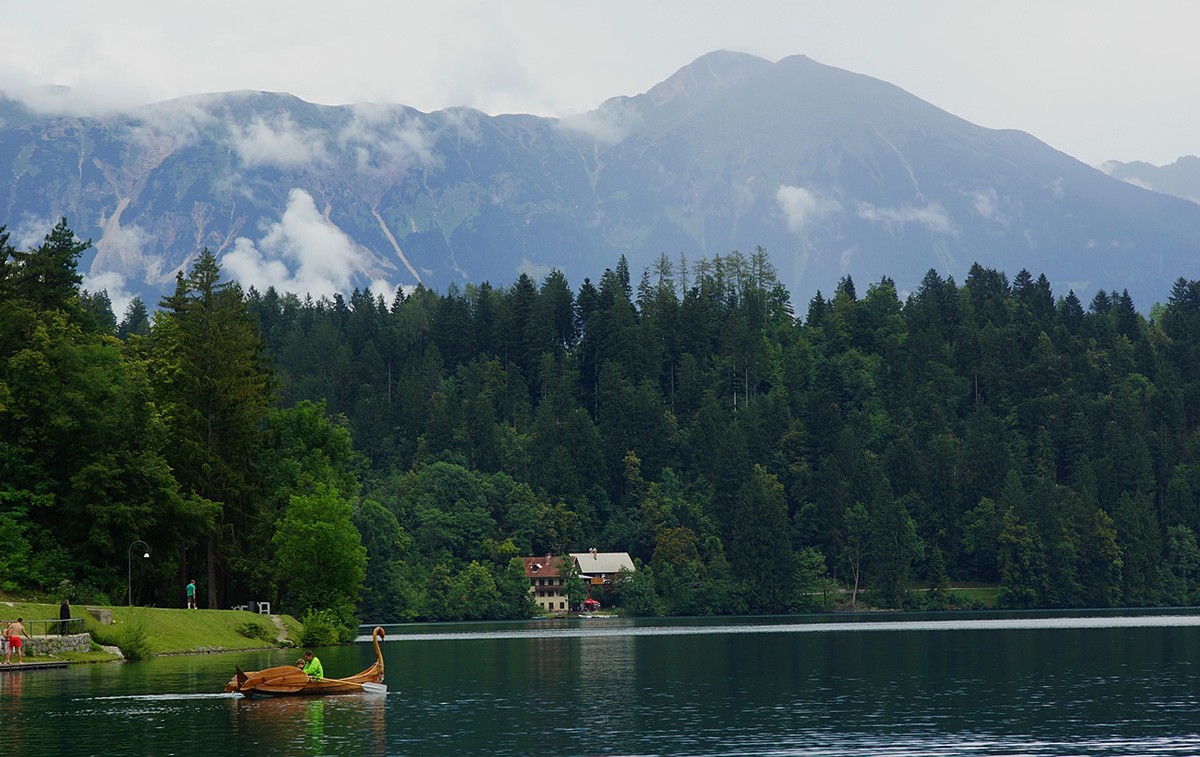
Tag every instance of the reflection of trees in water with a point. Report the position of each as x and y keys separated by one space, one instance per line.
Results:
x=307 y=725
x=10 y=712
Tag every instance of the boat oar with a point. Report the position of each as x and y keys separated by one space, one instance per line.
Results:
x=368 y=687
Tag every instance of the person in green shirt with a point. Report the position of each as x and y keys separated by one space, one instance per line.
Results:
x=311 y=665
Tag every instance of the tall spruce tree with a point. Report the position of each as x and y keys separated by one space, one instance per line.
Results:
x=217 y=388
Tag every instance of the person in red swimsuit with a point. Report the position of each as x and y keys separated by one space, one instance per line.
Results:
x=14 y=632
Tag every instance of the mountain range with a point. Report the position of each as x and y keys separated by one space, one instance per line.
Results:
x=833 y=173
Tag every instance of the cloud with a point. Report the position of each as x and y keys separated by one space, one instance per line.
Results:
x=932 y=216
x=987 y=204
x=802 y=207
x=533 y=270
x=114 y=284
x=171 y=125
x=283 y=143
x=385 y=145
x=303 y=253
x=31 y=231
x=608 y=124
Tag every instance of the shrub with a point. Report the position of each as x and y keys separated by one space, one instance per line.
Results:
x=132 y=638
x=321 y=629
x=252 y=630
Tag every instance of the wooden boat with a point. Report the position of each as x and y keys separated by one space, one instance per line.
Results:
x=290 y=681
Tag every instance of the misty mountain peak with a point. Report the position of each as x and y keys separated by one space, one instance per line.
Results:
x=707 y=75
x=834 y=173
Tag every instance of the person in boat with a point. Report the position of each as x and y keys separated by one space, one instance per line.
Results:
x=311 y=665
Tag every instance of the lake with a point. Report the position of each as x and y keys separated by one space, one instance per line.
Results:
x=1013 y=684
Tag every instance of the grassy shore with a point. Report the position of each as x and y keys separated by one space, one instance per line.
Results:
x=155 y=631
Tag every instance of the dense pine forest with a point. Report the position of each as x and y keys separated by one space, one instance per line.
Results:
x=391 y=456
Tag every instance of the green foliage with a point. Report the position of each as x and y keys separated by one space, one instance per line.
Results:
x=345 y=456
x=319 y=561
x=322 y=628
x=131 y=637
x=259 y=631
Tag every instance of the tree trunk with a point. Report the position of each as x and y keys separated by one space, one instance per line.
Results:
x=212 y=570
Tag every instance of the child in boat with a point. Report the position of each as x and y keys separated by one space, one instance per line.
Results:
x=311 y=665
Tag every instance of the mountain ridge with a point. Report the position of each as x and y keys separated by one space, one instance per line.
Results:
x=834 y=173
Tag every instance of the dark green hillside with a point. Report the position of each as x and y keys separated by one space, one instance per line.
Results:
x=393 y=460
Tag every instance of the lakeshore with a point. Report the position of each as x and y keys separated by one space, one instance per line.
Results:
x=154 y=631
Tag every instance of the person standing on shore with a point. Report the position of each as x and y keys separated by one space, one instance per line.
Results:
x=15 y=630
x=64 y=616
x=191 y=594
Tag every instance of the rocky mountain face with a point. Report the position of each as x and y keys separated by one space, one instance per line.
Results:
x=833 y=173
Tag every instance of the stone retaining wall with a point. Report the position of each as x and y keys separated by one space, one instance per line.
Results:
x=54 y=645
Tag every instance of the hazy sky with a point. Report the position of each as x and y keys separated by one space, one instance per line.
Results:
x=1094 y=78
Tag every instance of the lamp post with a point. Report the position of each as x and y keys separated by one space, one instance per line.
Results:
x=146 y=554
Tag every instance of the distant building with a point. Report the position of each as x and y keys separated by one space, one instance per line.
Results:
x=600 y=568
x=546 y=575
x=546 y=582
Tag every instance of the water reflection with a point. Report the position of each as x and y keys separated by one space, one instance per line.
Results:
x=308 y=725
x=751 y=686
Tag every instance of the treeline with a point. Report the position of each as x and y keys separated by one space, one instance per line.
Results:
x=393 y=457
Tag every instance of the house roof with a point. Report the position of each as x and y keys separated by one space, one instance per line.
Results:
x=603 y=562
x=545 y=566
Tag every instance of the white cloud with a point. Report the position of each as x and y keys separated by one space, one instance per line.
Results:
x=802 y=207
x=988 y=205
x=31 y=231
x=534 y=270
x=171 y=125
x=931 y=216
x=303 y=253
x=282 y=143
x=126 y=245
x=114 y=284
x=385 y=145
x=607 y=125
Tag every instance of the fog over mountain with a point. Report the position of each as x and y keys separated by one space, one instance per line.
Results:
x=833 y=173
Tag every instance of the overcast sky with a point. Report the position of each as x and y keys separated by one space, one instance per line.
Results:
x=1095 y=78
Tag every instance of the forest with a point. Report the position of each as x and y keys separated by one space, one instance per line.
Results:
x=391 y=456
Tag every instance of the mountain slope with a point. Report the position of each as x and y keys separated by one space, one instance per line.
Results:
x=834 y=173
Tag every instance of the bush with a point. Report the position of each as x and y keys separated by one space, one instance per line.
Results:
x=321 y=629
x=132 y=638
x=252 y=630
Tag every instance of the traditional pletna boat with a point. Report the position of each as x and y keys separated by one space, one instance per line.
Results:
x=290 y=681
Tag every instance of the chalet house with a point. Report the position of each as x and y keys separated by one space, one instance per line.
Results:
x=600 y=568
x=546 y=582
x=546 y=576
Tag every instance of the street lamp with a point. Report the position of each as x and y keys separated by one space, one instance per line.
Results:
x=146 y=554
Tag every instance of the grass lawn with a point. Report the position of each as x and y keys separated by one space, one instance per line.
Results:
x=167 y=631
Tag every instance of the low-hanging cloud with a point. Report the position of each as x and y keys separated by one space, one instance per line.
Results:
x=932 y=216
x=303 y=253
x=608 y=124
x=171 y=125
x=385 y=144
x=801 y=207
x=281 y=143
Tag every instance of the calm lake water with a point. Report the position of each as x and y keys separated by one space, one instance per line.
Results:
x=937 y=685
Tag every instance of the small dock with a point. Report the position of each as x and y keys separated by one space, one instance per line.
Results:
x=17 y=667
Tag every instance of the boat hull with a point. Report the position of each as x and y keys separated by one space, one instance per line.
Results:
x=289 y=681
